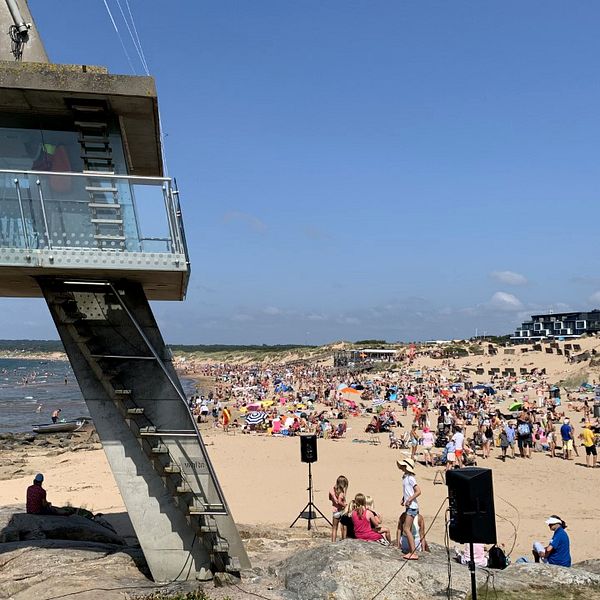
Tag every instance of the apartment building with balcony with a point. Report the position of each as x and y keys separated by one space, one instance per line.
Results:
x=558 y=325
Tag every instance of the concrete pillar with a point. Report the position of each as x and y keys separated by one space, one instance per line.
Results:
x=33 y=49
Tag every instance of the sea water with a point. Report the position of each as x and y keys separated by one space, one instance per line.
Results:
x=31 y=390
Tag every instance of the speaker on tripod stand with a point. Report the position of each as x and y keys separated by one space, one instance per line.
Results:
x=308 y=454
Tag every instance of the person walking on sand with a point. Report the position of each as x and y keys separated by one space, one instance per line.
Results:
x=410 y=493
x=56 y=414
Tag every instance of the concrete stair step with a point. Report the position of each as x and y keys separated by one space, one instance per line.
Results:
x=160 y=449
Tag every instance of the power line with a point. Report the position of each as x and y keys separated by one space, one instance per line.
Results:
x=112 y=19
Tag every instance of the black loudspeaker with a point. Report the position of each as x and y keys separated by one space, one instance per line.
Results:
x=471 y=500
x=308 y=448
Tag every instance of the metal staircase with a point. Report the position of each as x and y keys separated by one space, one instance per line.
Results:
x=92 y=120
x=151 y=439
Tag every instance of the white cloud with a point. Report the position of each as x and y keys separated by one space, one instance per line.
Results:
x=505 y=302
x=254 y=222
x=509 y=277
x=595 y=298
x=316 y=317
x=272 y=310
x=242 y=317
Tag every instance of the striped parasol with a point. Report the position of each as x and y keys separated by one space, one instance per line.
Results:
x=254 y=418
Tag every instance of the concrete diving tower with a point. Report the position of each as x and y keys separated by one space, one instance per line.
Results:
x=89 y=222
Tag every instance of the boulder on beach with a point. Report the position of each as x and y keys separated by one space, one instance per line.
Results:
x=45 y=556
x=356 y=570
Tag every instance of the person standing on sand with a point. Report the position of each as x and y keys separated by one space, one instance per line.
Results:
x=566 y=433
x=55 y=415
x=410 y=493
x=459 y=441
x=589 y=443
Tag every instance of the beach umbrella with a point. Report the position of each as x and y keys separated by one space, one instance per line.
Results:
x=341 y=386
x=255 y=417
x=515 y=406
x=411 y=398
x=254 y=406
x=349 y=390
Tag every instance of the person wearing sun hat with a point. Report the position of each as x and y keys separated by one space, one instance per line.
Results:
x=410 y=493
x=558 y=551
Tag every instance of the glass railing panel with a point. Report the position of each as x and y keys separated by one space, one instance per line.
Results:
x=41 y=210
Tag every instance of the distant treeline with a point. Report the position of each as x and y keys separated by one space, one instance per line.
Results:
x=213 y=348
x=33 y=346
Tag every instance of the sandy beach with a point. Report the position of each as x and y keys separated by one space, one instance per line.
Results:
x=265 y=481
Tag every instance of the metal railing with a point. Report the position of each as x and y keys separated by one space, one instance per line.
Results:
x=92 y=211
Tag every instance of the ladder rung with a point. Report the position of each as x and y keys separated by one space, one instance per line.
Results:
x=91 y=125
x=138 y=410
x=93 y=172
x=98 y=137
x=123 y=392
x=173 y=434
x=98 y=189
x=88 y=107
x=208 y=509
x=109 y=237
x=108 y=221
x=234 y=565
x=149 y=430
x=209 y=529
x=95 y=158
x=123 y=356
x=221 y=546
x=184 y=489
x=161 y=449
x=172 y=468
x=106 y=205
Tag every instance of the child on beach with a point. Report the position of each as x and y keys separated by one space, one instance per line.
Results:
x=337 y=495
x=410 y=493
x=377 y=519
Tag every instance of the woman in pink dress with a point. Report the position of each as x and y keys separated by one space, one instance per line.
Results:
x=364 y=521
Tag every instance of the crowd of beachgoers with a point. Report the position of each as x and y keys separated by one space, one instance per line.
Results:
x=419 y=408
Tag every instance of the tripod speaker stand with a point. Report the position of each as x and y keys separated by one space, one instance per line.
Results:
x=308 y=454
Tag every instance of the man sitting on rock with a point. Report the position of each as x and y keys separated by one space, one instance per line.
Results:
x=36 y=499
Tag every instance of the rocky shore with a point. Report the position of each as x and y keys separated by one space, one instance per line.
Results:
x=45 y=558
x=18 y=449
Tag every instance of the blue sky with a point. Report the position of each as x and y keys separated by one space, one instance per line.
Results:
x=388 y=169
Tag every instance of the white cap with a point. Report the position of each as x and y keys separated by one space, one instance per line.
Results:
x=553 y=521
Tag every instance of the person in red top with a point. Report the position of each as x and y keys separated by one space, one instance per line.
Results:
x=36 y=498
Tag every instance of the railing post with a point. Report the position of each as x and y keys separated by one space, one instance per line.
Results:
x=166 y=198
x=25 y=232
x=47 y=234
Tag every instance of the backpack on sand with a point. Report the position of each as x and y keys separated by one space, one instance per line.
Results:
x=497 y=558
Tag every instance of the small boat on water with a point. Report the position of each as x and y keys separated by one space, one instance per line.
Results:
x=60 y=427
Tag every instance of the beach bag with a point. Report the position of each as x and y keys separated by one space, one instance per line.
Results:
x=497 y=558
x=523 y=429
